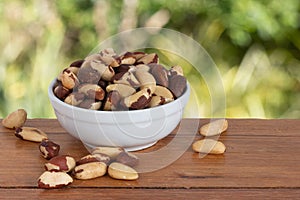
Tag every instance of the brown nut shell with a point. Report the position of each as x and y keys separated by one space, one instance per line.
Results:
x=112 y=101
x=176 y=70
x=92 y=91
x=120 y=171
x=98 y=157
x=142 y=67
x=73 y=69
x=87 y=74
x=148 y=58
x=75 y=98
x=109 y=57
x=164 y=92
x=126 y=78
x=90 y=170
x=138 y=100
x=61 y=92
x=156 y=101
x=15 y=119
x=177 y=85
x=63 y=163
x=123 y=90
x=128 y=59
x=213 y=128
x=160 y=74
x=49 y=149
x=30 y=134
x=138 y=54
x=111 y=61
x=50 y=180
x=106 y=72
x=146 y=80
x=69 y=79
x=209 y=146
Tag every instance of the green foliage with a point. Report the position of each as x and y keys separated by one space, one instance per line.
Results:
x=255 y=44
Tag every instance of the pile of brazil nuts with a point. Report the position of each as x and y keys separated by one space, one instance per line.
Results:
x=61 y=169
x=209 y=145
x=114 y=161
x=130 y=81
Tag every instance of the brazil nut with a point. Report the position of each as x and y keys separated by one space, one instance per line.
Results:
x=176 y=70
x=122 y=89
x=120 y=171
x=126 y=78
x=209 y=146
x=148 y=58
x=164 y=92
x=63 y=163
x=109 y=57
x=156 y=101
x=160 y=74
x=138 y=100
x=106 y=72
x=92 y=91
x=74 y=98
x=49 y=149
x=146 y=80
x=112 y=101
x=98 y=157
x=213 y=128
x=61 y=92
x=86 y=74
x=90 y=170
x=15 y=119
x=142 y=67
x=127 y=59
x=69 y=79
x=30 y=134
x=138 y=54
x=50 y=180
x=177 y=85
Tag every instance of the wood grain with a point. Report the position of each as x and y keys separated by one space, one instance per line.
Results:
x=262 y=158
x=104 y=193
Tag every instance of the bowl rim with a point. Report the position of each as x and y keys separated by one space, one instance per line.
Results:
x=57 y=100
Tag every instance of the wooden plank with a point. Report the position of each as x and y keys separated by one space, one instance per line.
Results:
x=92 y=193
x=237 y=127
x=253 y=159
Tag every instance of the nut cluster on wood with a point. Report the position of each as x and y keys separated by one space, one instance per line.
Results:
x=103 y=160
x=114 y=161
x=107 y=81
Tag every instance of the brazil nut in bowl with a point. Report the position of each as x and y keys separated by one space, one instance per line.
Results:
x=105 y=110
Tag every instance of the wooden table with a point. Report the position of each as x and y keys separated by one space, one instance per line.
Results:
x=262 y=161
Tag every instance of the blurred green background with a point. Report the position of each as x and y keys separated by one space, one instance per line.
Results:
x=254 y=43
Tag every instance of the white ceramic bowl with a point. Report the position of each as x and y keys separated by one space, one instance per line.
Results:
x=132 y=130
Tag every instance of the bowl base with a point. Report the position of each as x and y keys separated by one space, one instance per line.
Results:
x=134 y=148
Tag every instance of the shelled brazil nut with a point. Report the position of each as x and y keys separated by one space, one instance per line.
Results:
x=129 y=81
